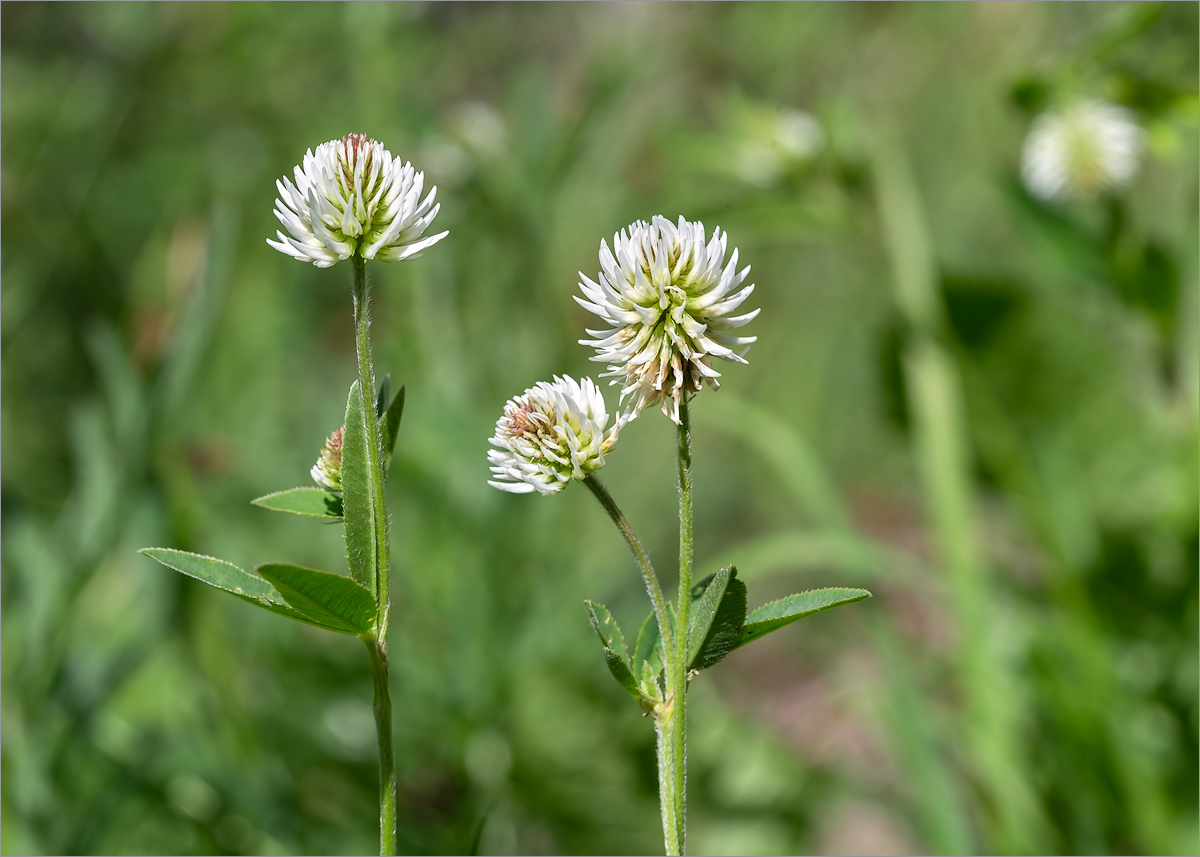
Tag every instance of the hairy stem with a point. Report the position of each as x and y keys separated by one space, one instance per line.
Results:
x=639 y=553
x=673 y=722
x=366 y=380
x=387 y=755
x=377 y=642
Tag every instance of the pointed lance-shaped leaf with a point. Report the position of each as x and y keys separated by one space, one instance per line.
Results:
x=778 y=614
x=616 y=656
x=357 y=509
x=717 y=622
x=309 y=502
x=382 y=396
x=389 y=426
x=337 y=602
x=228 y=577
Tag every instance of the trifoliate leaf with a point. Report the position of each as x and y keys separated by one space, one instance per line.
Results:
x=717 y=621
x=310 y=502
x=775 y=615
x=333 y=601
x=357 y=508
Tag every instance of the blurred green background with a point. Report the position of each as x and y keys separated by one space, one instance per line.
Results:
x=980 y=406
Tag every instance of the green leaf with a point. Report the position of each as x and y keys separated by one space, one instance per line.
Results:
x=647 y=657
x=389 y=425
x=717 y=622
x=228 y=577
x=615 y=653
x=310 y=502
x=357 y=509
x=382 y=396
x=335 y=602
x=775 y=615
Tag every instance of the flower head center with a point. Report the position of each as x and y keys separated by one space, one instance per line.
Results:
x=353 y=146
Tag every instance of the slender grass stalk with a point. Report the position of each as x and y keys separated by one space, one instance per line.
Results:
x=377 y=643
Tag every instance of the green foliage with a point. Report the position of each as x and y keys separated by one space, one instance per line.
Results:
x=616 y=656
x=648 y=654
x=716 y=620
x=328 y=600
x=228 y=577
x=389 y=426
x=309 y=502
x=793 y=608
x=161 y=365
x=359 y=512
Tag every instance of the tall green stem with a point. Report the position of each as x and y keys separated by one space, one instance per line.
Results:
x=366 y=381
x=672 y=725
x=387 y=755
x=665 y=720
x=377 y=642
x=639 y=553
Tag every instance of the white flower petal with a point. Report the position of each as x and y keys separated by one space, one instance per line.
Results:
x=351 y=196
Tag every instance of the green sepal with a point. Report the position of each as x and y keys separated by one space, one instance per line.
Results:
x=389 y=426
x=228 y=577
x=327 y=599
x=777 y=614
x=309 y=502
x=717 y=623
x=615 y=653
x=357 y=509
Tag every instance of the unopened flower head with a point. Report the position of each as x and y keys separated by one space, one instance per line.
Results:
x=1087 y=148
x=669 y=298
x=550 y=434
x=327 y=472
x=350 y=197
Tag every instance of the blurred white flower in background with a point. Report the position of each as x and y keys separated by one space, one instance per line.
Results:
x=1088 y=147
x=350 y=197
x=474 y=133
x=550 y=434
x=669 y=297
x=772 y=141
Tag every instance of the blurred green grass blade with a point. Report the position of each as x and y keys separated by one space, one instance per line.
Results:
x=942 y=450
x=779 y=614
x=790 y=455
x=389 y=426
x=718 y=619
x=310 y=502
x=229 y=578
x=357 y=509
x=330 y=600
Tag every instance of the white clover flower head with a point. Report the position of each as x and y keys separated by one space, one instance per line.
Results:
x=552 y=433
x=669 y=298
x=1089 y=147
x=350 y=197
x=327 y=472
